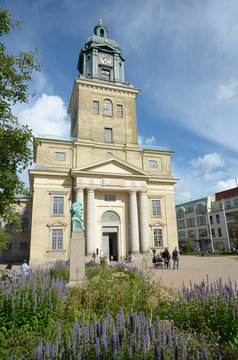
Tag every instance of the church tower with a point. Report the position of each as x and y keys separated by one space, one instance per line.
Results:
x=102 y=105
x=126 y=189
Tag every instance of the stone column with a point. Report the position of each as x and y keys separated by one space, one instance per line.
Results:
x=90 y=223
x=143 y=222
x=80 y=196
x=134 y=231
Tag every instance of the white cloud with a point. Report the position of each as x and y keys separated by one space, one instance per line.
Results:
x=227 y=92
x=208 y=162
x=182 y=197
x=146 y=141
x=211 y=176
x=225 y=185
x=47 y=116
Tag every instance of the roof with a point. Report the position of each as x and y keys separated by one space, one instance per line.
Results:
x=189 y=206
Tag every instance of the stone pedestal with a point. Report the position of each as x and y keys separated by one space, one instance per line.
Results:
x=77 y=256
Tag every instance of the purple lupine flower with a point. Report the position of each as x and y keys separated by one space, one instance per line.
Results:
x=97 y=349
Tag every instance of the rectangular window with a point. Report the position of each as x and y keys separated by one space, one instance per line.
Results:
x=219 y=232
x=180 y=224
x=156 y=208
x=57 y=239
x=60 y=156
x=152 y=164
x=108 y=135
x=105 y=74
x=58 y=205
x=236 y=202
x=158 y=237
x=95 y=107
x=24 y=245
x=213 y=233
x=110 y=197
x=201 y=220
x=192 y=234
x=190 y=222
x=218 y=219
x=211 y=219
x=228 y=204
x=119 y=111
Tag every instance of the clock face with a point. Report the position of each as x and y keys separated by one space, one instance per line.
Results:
x=105 y=59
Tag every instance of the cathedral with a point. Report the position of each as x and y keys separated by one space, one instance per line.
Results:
x=127 y=190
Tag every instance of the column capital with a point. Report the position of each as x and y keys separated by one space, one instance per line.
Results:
x=143 y=191
x=78 y=187
x=90 y=189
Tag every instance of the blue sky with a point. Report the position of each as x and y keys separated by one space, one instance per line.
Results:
x=182 y=54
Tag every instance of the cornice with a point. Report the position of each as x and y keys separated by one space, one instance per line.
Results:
x=103 y=88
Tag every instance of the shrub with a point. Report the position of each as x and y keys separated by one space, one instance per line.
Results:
x=130 y=336
x=208 y=309
x=30 y=301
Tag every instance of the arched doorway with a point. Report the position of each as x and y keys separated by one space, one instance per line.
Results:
x=110 y=227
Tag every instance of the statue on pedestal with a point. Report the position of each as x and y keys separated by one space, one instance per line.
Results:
x=77 y=221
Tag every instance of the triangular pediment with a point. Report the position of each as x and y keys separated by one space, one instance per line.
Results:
x=113 y=166
x=57 y=223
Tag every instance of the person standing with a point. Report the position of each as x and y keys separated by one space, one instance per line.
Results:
x=166 y=257
x=25 y=268
x=175 y=256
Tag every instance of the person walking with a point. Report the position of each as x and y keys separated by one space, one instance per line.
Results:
x=166 y=256
x=175 y=256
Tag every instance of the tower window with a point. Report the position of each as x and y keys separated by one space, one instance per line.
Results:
x=107 y=107
x=108 y=135
x=105 y=74
x=59 y=156
x=119 y=111
x=101 y=32
x=95 y=107
x=152 y=164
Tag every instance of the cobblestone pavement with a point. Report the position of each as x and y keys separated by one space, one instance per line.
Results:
x=195 y=269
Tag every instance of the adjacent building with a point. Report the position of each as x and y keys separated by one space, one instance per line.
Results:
x=210 y=221
x=127 y=190
x=19 y=241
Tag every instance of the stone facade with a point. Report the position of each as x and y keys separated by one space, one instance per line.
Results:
x=19 y=242
x=127 y=190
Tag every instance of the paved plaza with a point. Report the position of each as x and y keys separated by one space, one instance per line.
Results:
x=195 y=269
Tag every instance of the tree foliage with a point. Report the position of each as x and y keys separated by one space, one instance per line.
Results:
x=15 y=139
x=188 y=244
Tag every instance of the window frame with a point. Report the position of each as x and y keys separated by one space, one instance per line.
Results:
x=152 y=208
x=109 y=197
x=95 y=110
x=57 y=213
x=119 y=111
x=60 y=156
x=105 y=74
x=159 y=228
x=52 y=230
x=153 y=162
x=106 y=132
x=107 y=112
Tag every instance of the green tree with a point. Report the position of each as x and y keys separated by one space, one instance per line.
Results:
x=4 y=237
x=15 y=139
x=188 y=244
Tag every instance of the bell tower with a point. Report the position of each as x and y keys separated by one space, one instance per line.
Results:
x=101 y=58
x=102 y=105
